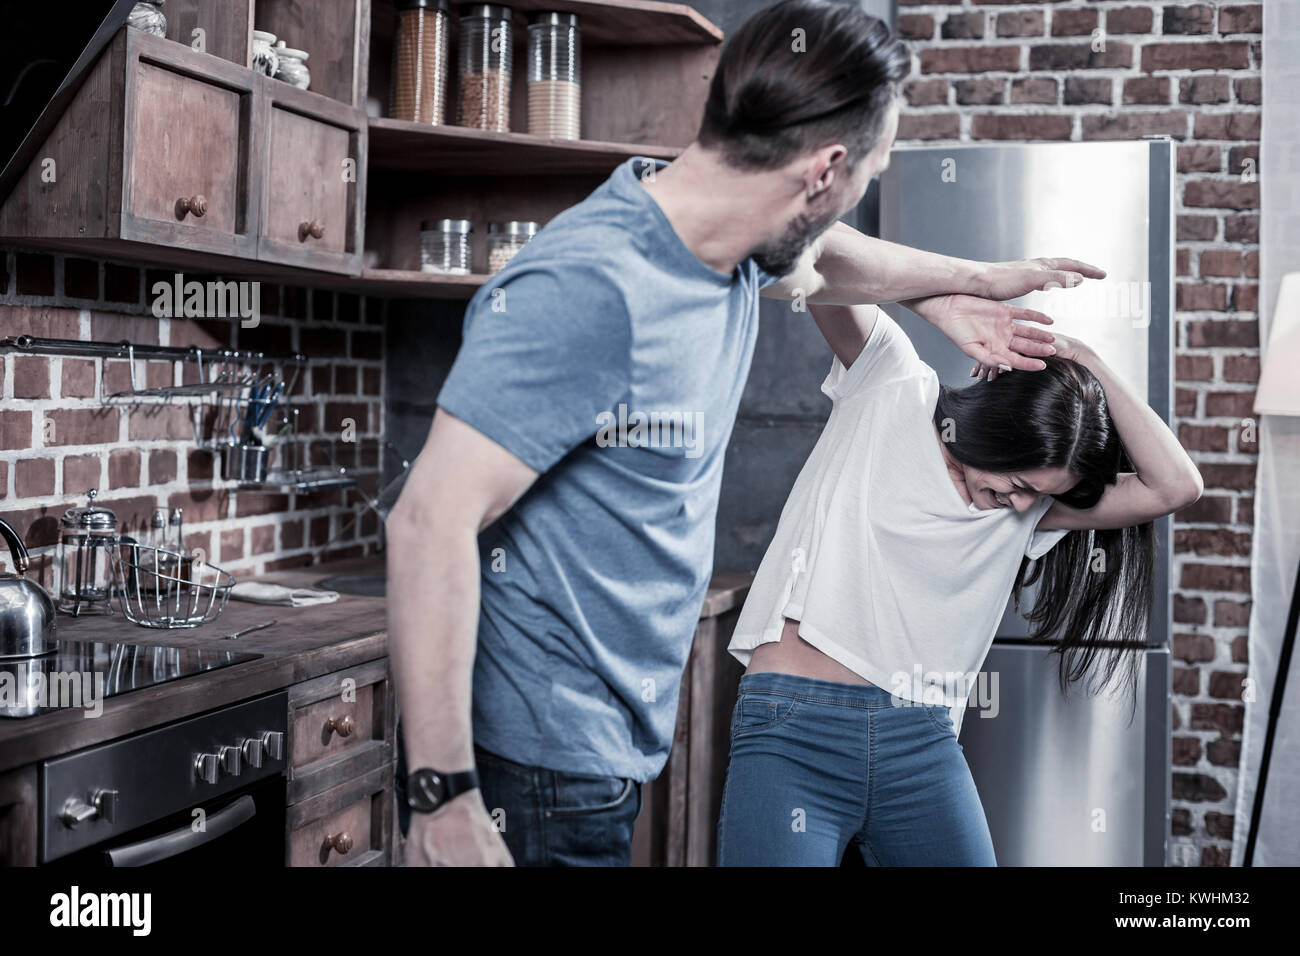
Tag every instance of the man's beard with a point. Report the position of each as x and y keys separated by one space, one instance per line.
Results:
x=780 y=256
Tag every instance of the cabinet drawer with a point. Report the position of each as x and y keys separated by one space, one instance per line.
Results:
x=332 y=726
x=347 y=825
x=311 y=181
x=336 y=840
x=186 y=162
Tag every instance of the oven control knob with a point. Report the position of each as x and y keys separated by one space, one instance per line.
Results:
x=230 y=761
x=252 y=750
x=101 y=806
x=207 y=767
x=273 y=743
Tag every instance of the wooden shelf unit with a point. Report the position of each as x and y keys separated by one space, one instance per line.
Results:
x=265 y=155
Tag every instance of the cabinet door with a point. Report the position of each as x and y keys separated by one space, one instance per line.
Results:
x=189 y=139
x=312 y=180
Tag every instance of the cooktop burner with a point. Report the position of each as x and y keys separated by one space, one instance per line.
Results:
x=81 y=674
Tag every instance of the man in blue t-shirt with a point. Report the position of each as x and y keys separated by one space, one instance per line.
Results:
x=549 y=555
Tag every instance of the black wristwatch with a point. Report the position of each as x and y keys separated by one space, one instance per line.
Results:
x=426 y=790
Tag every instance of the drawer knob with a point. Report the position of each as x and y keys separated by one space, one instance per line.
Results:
x=315 y=229
x=343 y=726
x=196 y=204
x=340 y=843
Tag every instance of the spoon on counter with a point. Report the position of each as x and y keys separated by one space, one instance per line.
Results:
x=250 y=630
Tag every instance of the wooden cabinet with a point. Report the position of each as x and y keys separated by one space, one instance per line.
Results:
x=313 y=176
x=156 y=148
x=171 y=155
x=18 y=817
x=679 y=810
x=341 y=748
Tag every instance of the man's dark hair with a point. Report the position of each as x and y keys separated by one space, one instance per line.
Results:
x=777 y=94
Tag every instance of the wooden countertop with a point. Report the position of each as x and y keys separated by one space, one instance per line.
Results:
x=306 y=642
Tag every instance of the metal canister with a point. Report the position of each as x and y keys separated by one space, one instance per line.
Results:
x=84 y=570
x=420 y=62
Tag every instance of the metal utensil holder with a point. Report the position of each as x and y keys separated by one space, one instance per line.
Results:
x=166 y=589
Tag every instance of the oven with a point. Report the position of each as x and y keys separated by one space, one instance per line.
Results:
x=208 y=789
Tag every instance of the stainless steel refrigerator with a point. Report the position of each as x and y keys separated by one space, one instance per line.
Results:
x=1062 y=782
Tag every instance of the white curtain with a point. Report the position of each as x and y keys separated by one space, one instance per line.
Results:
x=1276 y=547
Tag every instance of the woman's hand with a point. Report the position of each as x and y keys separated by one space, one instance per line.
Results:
x=990 y=332
x=1066 y=348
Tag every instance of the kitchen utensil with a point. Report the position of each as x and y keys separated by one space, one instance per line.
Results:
x=26 y=610
x=84 y=573
x=171 y=589
x=250 y=630
x=244 y=463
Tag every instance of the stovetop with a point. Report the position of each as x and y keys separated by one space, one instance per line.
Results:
x=81 y=674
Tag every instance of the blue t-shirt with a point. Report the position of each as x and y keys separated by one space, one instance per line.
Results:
x=610 y=359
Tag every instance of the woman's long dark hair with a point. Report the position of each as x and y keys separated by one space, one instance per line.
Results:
x=1094 y=600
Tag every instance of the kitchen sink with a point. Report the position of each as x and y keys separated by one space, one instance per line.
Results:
x=370 y=584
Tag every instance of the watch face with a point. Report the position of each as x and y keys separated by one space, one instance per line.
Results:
x=426 y=790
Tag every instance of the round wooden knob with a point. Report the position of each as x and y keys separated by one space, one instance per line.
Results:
x=340 y=843
x=197 y=205
x=315 y=229
x=343 y=726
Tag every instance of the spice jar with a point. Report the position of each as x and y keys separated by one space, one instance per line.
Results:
x=85 y=562
x=419 y=91
x=485 y=57
x=446 y=246
x=507 y=238
x=554 y=75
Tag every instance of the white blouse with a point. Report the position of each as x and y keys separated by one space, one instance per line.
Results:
x=887 y=570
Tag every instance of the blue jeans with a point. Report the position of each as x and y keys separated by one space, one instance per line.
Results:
x=552 y=818
x=816 y=765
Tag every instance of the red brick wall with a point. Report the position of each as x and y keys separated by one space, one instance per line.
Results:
x=1018 y=71
x=144 y=456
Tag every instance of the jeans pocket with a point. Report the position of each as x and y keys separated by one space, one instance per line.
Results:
x=756 y=711
x=940 y=716
x=582 y=796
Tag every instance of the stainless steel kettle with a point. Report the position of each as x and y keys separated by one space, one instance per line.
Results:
x=26 y=611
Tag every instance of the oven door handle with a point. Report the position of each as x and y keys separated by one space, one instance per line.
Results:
x=179 y=841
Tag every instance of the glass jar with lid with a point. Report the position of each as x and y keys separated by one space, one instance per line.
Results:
x=446 y=246
x=554 y=75
x=507 y=238
x=84 y=568
x=420 y=57
x=486 y=57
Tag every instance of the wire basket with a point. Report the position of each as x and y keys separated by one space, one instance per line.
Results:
x=165 y=589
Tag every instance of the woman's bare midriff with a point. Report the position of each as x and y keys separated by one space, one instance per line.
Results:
x=793 y=655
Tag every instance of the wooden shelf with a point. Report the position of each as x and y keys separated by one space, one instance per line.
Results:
x=460 y=150
x=410 y=283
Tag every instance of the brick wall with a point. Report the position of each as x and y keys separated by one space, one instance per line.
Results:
x=59 y=438
x=1120 y=70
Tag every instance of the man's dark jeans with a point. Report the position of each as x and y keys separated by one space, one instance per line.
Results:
x=548 y=817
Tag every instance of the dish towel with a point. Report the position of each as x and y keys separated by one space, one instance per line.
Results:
x=259 y=592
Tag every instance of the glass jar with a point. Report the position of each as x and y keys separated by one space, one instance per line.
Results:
x=507 y=238
x=420 y=51
x=446 y=246
x=554 y=75
x=486 y=51
x=84 y=569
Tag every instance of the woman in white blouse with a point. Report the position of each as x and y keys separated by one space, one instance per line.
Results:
x=919 y=511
